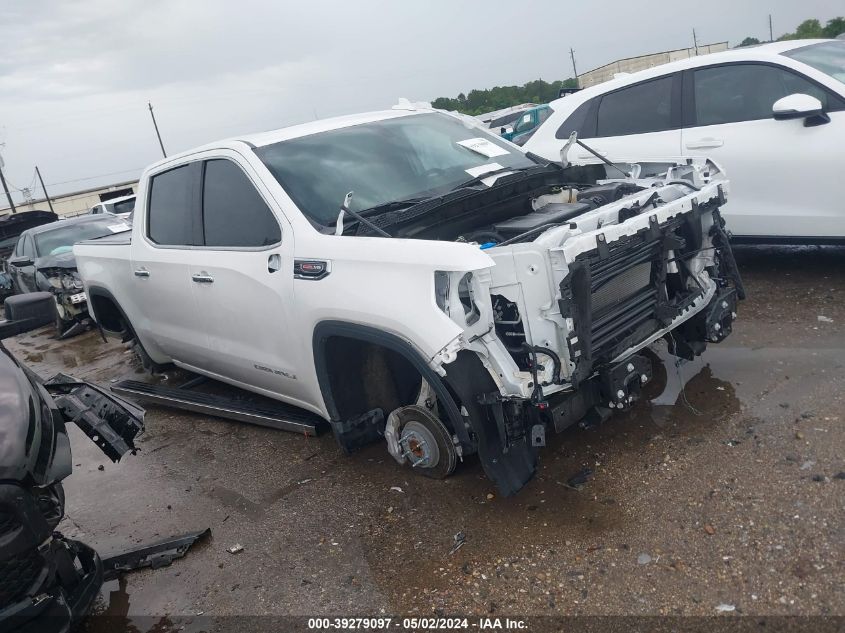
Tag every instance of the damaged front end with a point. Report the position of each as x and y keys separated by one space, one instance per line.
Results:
x=71 y=301
x=48 y=582
x=552 y=333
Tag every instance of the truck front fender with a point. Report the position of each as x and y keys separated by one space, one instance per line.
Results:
x=325 y=331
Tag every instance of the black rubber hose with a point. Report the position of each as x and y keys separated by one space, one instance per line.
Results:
x=537 y=349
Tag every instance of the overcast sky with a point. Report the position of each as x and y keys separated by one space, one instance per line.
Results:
x=75 y=77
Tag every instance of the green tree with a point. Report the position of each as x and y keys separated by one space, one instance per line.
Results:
x=808 y=29
x=486 y=100
x=748 y=41
x=834 y=27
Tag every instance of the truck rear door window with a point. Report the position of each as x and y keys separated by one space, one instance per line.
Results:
x=233 y=212
x=170 y=215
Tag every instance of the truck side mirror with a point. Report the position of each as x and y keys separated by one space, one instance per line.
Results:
x=800 y=106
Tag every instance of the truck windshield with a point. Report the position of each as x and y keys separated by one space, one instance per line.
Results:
x=62 y=238
x=408 y=157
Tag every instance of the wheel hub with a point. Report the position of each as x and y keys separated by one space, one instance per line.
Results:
x=419 y=445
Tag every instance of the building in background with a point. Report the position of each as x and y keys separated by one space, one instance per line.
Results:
x=77 y=202
x=633 y=64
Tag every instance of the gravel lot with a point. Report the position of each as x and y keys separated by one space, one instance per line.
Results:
x=729 y=491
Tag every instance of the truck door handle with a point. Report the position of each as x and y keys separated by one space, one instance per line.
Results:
x=203 y=278
x=142 y=272
x=705 y=143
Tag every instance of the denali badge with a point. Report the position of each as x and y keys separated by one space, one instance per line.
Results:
x=278 y=372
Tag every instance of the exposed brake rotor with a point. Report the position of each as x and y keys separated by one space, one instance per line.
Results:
x=417 y=437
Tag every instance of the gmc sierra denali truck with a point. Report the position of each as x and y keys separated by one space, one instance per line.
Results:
x=407 y=275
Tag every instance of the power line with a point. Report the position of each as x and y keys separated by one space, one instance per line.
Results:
x=66 y=182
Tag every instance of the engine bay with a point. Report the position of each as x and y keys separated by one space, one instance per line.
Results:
x=518 y=207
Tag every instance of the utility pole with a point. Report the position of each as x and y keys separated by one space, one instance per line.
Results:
x=695 y=42
x=574 y=70
x=5 y=187
x=771 y=35
x=46 y=195
x=155 y=125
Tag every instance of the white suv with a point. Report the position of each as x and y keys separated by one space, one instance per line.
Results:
x=772 y=115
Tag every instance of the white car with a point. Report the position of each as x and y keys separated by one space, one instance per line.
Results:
x=410 y=276
x=122 y=207
x=773 y=116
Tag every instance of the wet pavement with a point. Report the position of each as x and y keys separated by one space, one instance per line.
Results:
x=721 y=488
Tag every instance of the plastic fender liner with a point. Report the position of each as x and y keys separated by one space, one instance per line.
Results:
x=510 y=470
x=327 y=329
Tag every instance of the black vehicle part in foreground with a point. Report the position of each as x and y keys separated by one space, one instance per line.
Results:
x=27 y=311
x=49 y=582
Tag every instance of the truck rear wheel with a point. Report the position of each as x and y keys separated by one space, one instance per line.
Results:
x=426 y=442
x=146 y=362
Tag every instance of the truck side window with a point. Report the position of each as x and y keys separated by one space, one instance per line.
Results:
x=233 y=212
x=170 y=215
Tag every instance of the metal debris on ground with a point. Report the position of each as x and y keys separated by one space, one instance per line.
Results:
x=152 y=555
x=460 y=539
x=396 y=488
x=824 y=319
x=577 y=481
x=725 y=608
x=237 y=548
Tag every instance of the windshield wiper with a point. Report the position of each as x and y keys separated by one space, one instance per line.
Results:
x=359 y=216
x=480 y=178
x=392 y=205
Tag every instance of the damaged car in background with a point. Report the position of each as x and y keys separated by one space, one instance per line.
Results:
x=43 y=261
x=408 y=276
x=11 y=227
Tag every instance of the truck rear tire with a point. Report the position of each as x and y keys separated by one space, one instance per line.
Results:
x=148 y=363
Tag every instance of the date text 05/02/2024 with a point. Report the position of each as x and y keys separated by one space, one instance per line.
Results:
x=416 y=624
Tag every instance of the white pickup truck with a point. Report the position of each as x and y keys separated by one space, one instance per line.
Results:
x=407 y=275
